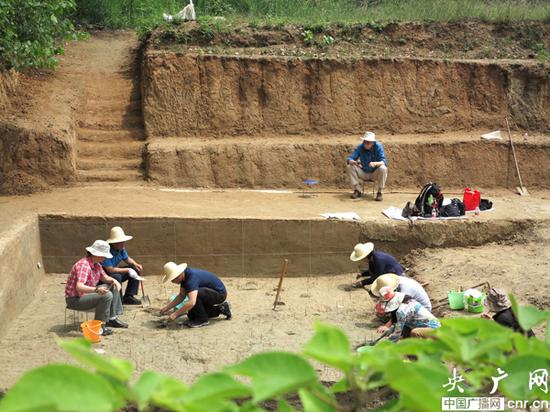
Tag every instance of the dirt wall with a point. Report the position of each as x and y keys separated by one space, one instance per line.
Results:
x=256 y=247
x=8 y=86
x=187 y=95
x=19 y=274
x=46 y=155
x=287 y=162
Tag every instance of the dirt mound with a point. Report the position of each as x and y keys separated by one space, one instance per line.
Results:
x=21 y=183
x=463 y=39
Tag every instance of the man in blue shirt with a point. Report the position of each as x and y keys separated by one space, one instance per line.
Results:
x=379 y=263
x=117 y=240
x=368 y=162
x=206 y=292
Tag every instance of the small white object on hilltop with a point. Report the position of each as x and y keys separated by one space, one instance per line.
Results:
x=492 y=136
x=187 y=14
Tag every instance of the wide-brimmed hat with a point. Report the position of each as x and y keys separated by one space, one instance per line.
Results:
x=118 y=236
x=361 y=251
x=172 y=270
x=390 y=280
x=497 y=300
x=368 y=137
x=100 y=248
x=394 y=300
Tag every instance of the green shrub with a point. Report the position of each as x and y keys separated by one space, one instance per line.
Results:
x=414 y=373
x=32 y=32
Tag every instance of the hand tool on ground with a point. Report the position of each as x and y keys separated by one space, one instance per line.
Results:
x=372 y=342
x=279 y=287
x=522 y=190
x=145 y=301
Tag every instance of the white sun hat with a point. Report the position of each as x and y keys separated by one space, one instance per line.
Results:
x=118 y=236
x=394 y=301
x=100 y=248
x=387 y=280
x=172 y=270
x=361 y=251
x=369 y=137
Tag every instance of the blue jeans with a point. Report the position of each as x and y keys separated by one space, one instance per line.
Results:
x=133 y=284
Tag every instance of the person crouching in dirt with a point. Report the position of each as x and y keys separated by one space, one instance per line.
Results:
x=401 y=284
x=117 y=240
x=206 y=293
x=498 y=302
x=379 y=263
x=83 y=293
x=368 y=162
x=410 y=318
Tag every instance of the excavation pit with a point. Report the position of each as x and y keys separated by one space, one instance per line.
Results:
x=246 y=248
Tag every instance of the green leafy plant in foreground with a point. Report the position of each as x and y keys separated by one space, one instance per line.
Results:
x=410 y=373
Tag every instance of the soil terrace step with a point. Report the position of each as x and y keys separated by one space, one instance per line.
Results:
x=451 y=159
x=106 y=122
x=125 y=150
x=110 y=136
x=86 y=163
x=108 y=175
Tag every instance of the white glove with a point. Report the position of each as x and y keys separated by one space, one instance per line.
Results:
x=134 y=275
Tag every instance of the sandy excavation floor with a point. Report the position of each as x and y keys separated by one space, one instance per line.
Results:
x=183 y=352
x=520 y=266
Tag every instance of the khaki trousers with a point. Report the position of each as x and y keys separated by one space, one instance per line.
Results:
x=358 y=175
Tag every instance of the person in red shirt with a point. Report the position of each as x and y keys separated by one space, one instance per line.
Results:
x=83 y=293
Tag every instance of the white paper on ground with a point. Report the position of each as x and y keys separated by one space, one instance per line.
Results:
x=342 y=215
x=492 y=136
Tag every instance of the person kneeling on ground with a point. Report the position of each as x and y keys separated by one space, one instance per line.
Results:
x=378 y=263
x=498 y=302
x=83 y=293
x=206 y=293
x=117 y=240
x=368 y=162
x=411 y=319
x=401 y=284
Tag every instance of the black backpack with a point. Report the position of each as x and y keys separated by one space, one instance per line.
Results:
x=422 y=203
x=454 y=209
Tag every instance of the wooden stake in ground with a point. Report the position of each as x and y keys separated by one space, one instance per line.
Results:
x=522 y=190
x=281 y=277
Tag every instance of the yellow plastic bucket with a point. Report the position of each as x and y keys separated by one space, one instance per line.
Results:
x=91 y=330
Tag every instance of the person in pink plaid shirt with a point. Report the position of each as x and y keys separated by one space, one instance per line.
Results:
x=83 y=293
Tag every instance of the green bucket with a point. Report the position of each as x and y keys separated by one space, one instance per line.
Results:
x=475 y=305
x=456 y=300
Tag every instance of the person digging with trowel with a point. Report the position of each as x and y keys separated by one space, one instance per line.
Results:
x=206 y=292
x=378 y=264
x=83 y=293
x=368 y=162
x=117 y=241
x=402 y=284
x=410 y=318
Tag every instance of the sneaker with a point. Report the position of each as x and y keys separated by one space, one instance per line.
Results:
x=225 y=309
x=193 y=324
x=105 y=331
x=130 y=300
x=116 y=323
x=379 y=197
x=356 y=194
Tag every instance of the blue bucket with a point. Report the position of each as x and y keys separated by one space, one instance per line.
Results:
x=179 y=306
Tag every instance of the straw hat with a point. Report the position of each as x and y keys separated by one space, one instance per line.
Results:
x=394 y=302
x=100 y=248
x=497 y=300
x=369 y=137
x=390 y=280
x=118 y=236
x=361 y=251
x=172 y=270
